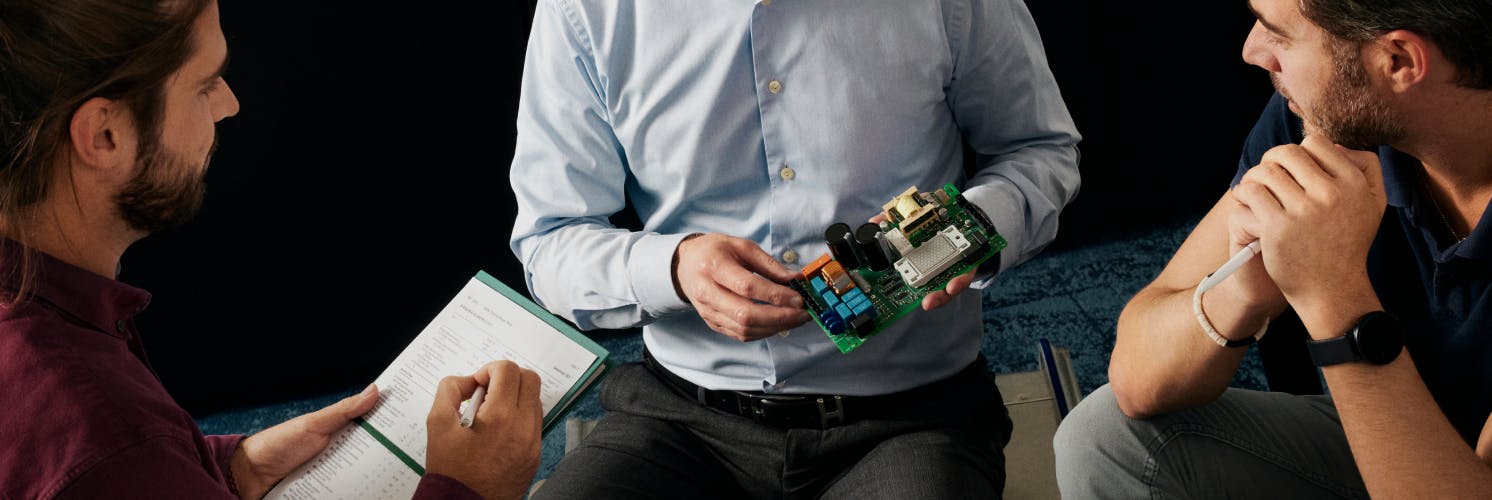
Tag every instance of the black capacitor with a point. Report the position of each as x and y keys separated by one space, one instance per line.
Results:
x=840 y=244
x=867 y=240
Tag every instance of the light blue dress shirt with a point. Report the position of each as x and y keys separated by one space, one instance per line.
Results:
x=770 y=121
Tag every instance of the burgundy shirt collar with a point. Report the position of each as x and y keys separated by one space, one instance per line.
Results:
x=103 y=303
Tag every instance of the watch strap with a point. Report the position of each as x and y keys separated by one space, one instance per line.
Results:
x=1376 y=338
x=1333 y=351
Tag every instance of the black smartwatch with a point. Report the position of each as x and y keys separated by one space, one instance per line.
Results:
x=1377 y=339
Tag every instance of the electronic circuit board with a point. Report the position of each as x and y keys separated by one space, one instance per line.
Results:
x=879 y=273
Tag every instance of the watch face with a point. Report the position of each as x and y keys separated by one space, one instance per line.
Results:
x=1379 y=338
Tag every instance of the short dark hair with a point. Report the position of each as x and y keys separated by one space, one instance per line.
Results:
x=1459 y=27
x=55 y=55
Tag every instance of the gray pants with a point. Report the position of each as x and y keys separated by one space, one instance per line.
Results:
x=655 y=443
x=1247 y=444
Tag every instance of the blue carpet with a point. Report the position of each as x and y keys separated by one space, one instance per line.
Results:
x=1071 y=297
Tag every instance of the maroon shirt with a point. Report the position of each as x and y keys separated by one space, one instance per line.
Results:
x=82 y=415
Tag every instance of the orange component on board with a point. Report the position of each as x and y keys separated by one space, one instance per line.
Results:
x=837 y=279
x=812 y=269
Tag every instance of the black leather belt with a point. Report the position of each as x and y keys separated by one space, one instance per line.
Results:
x=810 y=411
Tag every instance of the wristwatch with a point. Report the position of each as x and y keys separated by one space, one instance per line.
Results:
x=1377 y=338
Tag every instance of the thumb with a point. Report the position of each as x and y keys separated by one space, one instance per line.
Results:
x=1316 y=142
x=1242 y=225
x=332 y=418
x=451 y=392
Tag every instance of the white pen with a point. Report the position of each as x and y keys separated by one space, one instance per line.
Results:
x=1229 y=267
x=469 y=413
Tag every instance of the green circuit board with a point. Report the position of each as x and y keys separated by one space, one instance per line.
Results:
x=878 y=275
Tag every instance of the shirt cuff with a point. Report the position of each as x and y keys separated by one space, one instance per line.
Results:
x=434 y=486
x=222 y=448
x=1005 y=207
x=650 y=265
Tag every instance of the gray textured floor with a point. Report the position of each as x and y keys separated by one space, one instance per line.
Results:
x=1070 y=297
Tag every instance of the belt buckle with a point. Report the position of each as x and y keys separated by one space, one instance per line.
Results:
x=784 y=411
x=797 y=411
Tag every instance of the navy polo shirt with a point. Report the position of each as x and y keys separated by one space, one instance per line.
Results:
x=1436 y=286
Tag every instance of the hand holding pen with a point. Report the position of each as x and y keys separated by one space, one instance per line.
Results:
x=497 y=453
x=1315 y=209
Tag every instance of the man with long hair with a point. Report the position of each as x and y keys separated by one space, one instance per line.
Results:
x=107 y=121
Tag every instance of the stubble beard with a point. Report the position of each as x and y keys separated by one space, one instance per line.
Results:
x=1349 y=111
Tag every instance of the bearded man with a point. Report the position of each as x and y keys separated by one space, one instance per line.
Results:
x=107 y=120
x=1372 y=230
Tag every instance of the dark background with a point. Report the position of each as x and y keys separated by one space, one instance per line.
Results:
x=365 y=179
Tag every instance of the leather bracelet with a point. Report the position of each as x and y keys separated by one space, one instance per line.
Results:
x=1207 y=327
x=232 y=483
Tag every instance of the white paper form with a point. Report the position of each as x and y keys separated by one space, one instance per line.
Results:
x=354 y=465
x=478 y=326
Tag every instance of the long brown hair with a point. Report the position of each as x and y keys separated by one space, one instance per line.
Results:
x=55 y=55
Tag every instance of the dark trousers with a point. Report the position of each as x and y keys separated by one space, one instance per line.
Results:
x=656 y=443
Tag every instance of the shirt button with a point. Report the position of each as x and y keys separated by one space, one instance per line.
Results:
x=780 y=384
x=119 y=325
x=787 y=173
x=785 y=333
x=774 y=86
x=766 y=3
x=790 y=257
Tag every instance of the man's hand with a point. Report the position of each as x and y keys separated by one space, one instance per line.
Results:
x=735 y=287
x=1253 y=289
x=498 y=455
x=265 y=458
x=1315 y=209
x=955 y=286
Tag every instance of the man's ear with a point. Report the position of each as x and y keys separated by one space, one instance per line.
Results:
x=1403 y=58
x=103 y=135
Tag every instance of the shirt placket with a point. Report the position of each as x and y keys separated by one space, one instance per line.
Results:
x=773 y=86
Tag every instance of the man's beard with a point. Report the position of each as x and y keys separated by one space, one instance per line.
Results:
x=1348 y=111
x=166 y=191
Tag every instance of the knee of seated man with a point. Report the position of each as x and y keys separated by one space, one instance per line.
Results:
x=1096 y=432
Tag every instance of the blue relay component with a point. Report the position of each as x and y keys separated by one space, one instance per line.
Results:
x=854 y=295
x=844 y=311
x=819 y=287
